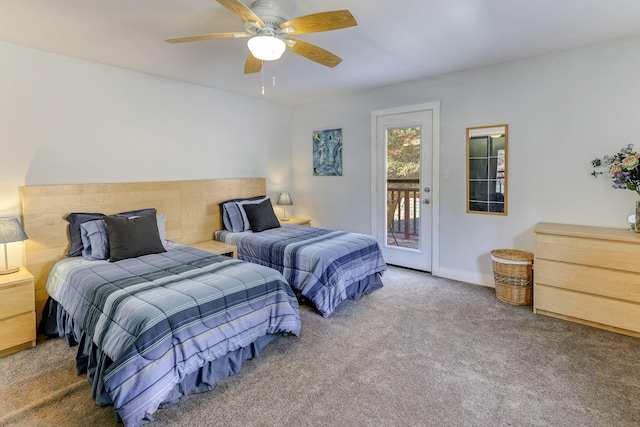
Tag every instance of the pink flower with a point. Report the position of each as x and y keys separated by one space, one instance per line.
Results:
x=615 y=169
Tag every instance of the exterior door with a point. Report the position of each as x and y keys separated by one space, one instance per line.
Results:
x=404 y=193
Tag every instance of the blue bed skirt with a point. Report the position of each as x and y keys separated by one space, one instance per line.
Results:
x=357 y=290
x=90 y=360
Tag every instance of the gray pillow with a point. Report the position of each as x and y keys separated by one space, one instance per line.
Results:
x=261 y=216
x=96 y=240
x=139 y=212
x=133 y=237
x=76 y=219
x=245 y=221
x=232 y=216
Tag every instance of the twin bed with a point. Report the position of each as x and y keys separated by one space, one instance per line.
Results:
x=324 y=267
x=156 y=319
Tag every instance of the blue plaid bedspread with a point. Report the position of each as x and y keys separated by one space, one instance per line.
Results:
x=319 y=263
x=161 y=317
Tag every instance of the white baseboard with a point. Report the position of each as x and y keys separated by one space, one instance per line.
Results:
x=467 y=276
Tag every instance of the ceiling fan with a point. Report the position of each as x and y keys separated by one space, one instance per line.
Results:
x=269 y=29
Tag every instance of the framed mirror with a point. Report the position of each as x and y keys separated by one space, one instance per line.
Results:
x=487 y=149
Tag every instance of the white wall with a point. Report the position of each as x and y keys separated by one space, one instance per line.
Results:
x=563 y=110
x=64 y=120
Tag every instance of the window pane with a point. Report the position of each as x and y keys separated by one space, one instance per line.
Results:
x=496 y=144
x=478 y=146
x=478 y=169
x=478 y=191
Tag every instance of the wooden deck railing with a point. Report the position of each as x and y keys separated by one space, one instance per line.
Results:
x=407 y=193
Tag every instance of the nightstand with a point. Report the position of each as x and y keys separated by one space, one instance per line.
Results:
x=17 y=312
x=216 y=247
x=297 y=221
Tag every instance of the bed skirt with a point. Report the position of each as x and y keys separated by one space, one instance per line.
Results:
x=90 y=360
x=354 y=291
x=358 y=289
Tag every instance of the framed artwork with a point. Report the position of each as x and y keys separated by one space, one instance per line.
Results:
x=327 y=152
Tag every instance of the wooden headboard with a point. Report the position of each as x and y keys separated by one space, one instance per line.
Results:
x=192 y=210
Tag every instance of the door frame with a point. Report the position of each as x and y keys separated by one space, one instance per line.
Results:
x=434 y=107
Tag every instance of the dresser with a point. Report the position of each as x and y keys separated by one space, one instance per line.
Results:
x=17 y=312
x=589 y=275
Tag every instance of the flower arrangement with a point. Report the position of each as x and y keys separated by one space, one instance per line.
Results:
x=622 y=167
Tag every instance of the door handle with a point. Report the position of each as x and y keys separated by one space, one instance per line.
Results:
x=427 y=201
x=427 y=189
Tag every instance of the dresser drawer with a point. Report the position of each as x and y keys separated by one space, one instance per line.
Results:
x=592 y=308
x=612 y=254
x=592 y=280
x=17 y=330
x=16 y=299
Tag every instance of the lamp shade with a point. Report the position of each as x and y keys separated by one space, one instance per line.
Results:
x=11 y=231
x=266 y=48
x=284 y=199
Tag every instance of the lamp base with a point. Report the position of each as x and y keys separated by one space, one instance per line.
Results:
x=8 y=270
x=284 y=219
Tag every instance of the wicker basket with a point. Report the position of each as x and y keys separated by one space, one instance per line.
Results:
x=513 y=274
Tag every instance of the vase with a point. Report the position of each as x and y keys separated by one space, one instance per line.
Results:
x=636 y=225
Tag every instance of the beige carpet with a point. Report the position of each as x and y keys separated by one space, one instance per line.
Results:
x=422 y=351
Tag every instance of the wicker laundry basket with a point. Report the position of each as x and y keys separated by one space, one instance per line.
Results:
x=513 y=274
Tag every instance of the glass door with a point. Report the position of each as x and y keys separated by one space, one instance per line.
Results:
x=403 y=171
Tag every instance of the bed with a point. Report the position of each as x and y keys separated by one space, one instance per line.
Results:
x=154 y=319
x=325 y=267
x=155 y=328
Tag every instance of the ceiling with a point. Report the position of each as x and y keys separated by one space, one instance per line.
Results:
x=395 y=41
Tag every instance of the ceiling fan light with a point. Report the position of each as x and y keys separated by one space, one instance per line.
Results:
x=266 y=48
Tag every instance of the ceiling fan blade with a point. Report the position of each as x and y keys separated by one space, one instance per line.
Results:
x=253 y=64
x=208 y=37
x=323 y=21
x=313 y=52
x=242 y=11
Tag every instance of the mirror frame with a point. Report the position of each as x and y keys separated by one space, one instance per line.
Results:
x=492 y=166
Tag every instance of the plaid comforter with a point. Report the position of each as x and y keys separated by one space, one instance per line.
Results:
x=161 y=317
x=321 y=264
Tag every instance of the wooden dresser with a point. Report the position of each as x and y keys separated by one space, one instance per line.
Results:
x=589 y=275
x=17 y=312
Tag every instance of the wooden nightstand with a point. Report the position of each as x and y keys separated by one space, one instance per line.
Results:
x=216 y=247
x=297 y=221
x=17 y=312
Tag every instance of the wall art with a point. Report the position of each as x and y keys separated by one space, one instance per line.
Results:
x=327 y=152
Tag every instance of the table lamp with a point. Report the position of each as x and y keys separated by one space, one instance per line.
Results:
x=10 y=231
x=284 y=199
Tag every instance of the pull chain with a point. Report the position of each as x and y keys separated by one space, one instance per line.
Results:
x=273 y=79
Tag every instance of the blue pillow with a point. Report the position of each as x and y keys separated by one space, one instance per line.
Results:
x=162 y=220
x=231 y=214
x=95 y=240
x=76 y=219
